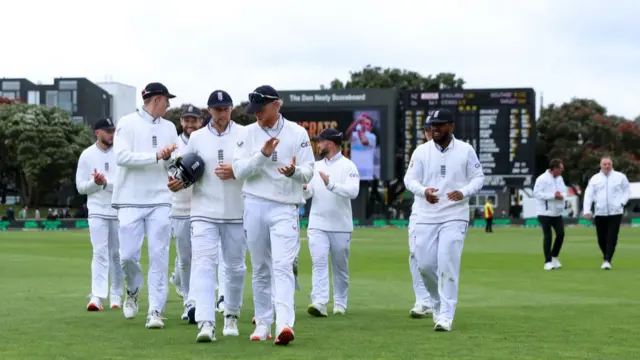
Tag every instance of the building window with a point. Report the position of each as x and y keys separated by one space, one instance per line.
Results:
x=64 y=101
x=74 y=100
x=51 y=98
x=9 y=94
x=11 y=85
x=33 y=97
x=68 y=85
x=78 y=119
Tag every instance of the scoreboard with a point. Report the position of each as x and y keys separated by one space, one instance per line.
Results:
x=498 y=123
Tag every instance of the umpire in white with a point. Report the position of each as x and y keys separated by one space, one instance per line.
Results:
x=336 y=182
x=609 y=191
x=442 y=174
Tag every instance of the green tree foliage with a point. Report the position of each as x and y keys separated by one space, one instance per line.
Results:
x=40 y=148
x=580 y=132
x=379 y=78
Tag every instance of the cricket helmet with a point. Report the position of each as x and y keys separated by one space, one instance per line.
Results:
x=188 y=168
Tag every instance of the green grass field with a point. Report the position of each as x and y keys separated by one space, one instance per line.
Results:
x=509 y=307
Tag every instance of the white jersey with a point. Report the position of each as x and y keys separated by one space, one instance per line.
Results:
x=544 y=191
x=610 y=193
x=455 y=168
x=260 y=173
x=331 y=206
x=181 y=201
x=93 y=159
x=141 y=179
x=215 y=200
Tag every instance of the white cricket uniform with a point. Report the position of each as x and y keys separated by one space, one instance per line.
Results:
x=271 y=214
x=440 y=229
x=181 y=225
x=143 y=201
x=422 y=296
x=103 y=221
x=330 y=227
x=216 y=223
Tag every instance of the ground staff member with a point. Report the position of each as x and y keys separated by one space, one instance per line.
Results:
x=550 y=191
x=609 y=190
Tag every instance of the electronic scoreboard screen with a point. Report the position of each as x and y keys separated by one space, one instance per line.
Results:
x=498 y=123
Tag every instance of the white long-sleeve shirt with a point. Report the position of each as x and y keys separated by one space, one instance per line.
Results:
x=181 y=200
x=544 y=190
x=260 y=173
x=93 y=159
x=455 y=168
x=609 y=192
x=215 y=200
x=141 y=179
x=331 y=203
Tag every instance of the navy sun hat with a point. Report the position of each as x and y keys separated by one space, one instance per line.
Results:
x=440 y=116
x=219 y=99
x=330 y=134
x=156 y=88
x=260 y=97
x=190 y=110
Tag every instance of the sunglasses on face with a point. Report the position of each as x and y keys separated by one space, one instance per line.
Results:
x=255 y=97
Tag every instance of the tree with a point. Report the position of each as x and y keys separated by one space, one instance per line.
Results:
x=580 y=132
x=379 y=78
x=40 y=148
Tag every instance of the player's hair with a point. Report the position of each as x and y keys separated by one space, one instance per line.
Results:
x=280 y=103
x=606 y=157
x=555 y=163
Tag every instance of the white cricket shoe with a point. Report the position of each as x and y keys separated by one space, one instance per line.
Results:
x=317 y=310
x=285 y=336
x=230 y=326
x=419 y=310
x=339 y=310
x=185 y=313
x=116 y=302
x=443 y=325
x=154 y=320
x=207 y=332
x=548 y=266
x=220 y=304
x=556 y=263
x=130 y=309
x=261 y=333
x=95 y=304
x=606 y=266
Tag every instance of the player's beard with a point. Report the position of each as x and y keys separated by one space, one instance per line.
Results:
x=324 y=152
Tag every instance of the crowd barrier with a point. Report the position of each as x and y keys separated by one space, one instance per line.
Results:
x=75 y=224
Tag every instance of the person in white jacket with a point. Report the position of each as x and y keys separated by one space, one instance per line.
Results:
x=609 y=191
x=442 y=175
x=336 y=182
x=94 y=178
x=550 y=191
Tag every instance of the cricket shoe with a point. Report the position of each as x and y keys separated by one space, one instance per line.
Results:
x=556 y=263
x=116 y=302
x=285 y=336
x=419 y=311
x=230 y=326
x=262 y=332
x=191 y=315
x=95 y=304
x=220 y=304
x=130 y=308
x=185 y=313
x=548 y=266
x=154 y=320
x=443 y=325
x=606 y=266
x=207 y=332
x=339 y=310
x=317 y=310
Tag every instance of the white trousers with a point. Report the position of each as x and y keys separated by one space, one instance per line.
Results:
x=273 y=240
x=220 y=286
x=321 y=244
x=206 y=240
x=106 y=258
x=155 y=223
x=182 y=235
x=438 y=251
x=422 y=296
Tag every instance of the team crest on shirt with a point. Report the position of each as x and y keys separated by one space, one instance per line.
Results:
x=154 y=141
x=106 y=167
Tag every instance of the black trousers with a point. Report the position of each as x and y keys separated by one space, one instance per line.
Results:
x=489 y=226
x=607 y=229
x=557 y=224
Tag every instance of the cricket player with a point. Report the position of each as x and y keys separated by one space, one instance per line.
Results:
x=422 y=306
x=442 y=174
x=550 y=191
x=274 y=159
x=143 y=143
x=336 y=183
x=94 y=178
x=609 y=191
x=190 y=121
x=216 y=219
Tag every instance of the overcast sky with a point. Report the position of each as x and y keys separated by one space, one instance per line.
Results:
x=562 y=48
